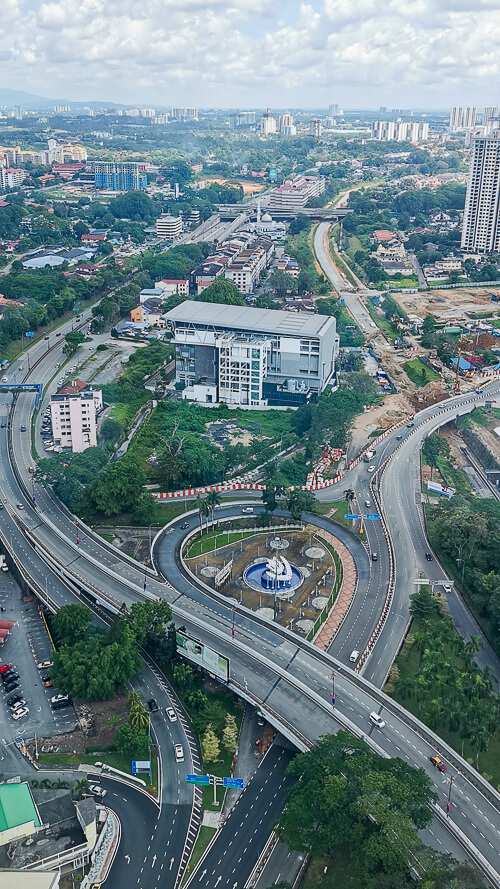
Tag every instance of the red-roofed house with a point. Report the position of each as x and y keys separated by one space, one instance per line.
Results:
x=380 y=235
x=93 y=237
x=174 y=286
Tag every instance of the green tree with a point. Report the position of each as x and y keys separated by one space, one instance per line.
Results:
x=183 y=675
x=213 y=500
x=73 y=339
x=282 y=283
x=139 y=716
x=131 y=740
x=300 y=502
x=221 y=291
x=112 y=430
x=81 y=788
x=148 y=617
x=422 y=604
x=210 y=746
x=71 y=623
x=230 y=733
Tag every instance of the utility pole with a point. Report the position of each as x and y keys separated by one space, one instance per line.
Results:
x=448 y=804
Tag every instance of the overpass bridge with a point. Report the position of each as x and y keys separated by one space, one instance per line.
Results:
x=319 y=214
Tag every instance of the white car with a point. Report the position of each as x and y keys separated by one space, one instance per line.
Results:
x=377 y=720
x=19 y=714
x=354 y=656
x=179 y=753
x=172 y=715
x=371 y=469
x=447 y=588
x=368 y=503
x=247 y=509
x=97 y=790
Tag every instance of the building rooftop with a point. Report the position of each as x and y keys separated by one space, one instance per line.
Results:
x=16 y=806
x=251 y=319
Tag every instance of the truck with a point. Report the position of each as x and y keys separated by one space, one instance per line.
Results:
x=495 y=297
x=368 y=456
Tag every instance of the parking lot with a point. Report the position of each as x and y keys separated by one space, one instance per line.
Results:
x=27 y=646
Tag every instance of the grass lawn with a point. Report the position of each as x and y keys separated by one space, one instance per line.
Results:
x=123 y=763
x=338 y=873
x=382 y=322
x=354 y=245
x=408 y=665
x=419 y=373
x=209 y=542
x=202 y=841
x=396 y=285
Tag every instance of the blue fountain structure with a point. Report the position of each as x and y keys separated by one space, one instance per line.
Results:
x=275 y=575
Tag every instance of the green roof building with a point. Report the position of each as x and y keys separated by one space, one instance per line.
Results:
x=19 y=815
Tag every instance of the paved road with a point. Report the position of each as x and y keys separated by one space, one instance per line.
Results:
x=234 y=853
x=301 y=695
x=353 y=302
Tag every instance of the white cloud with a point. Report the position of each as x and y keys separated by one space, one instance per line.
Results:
x=234 y=52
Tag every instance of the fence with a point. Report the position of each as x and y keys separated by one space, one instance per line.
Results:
x=339 y=576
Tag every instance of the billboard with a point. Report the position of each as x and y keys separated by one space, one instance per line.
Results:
x=273 y=174
x=441 y=489
x=201 y=654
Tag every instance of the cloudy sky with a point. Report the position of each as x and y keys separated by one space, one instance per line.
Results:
x=253 y=53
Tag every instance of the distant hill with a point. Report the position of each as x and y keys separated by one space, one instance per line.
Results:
x=10 y=98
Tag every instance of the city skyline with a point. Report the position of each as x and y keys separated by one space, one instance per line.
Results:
x=232 y=54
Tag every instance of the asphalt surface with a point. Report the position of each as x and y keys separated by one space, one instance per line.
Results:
x=237 y=847
x=352 y=301
x=300 y=694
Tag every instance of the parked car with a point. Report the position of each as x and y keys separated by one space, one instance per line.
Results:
x=438 y=763
x=21 y=713
x=20 y=703
x=10 y=676
x=10 y=686
x=377 y=720
x=4 y=668
x=153 y=706
x=172 y=715
x=15 y=699
x=58 y=698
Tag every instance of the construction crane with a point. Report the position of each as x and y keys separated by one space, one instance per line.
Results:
x=462 y=343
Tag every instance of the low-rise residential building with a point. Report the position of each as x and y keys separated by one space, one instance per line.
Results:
x=253 y=357
x=74 y=410
x=173 y=286
x=169 y=227
x=12 y=177
x=289 y=266
x=244 y=271
x=204 y=275
x=151 y=293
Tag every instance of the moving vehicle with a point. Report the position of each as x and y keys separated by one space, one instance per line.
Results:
x=184 y=526
x=20 y=506
x=447 y=588
x=21 y=713
x=97 y=790
x=399 y=437
x=368 y=503
x=153 y=706
x=368 y=456
x=247 y=509
x=23 y=428
x=179 y=753
x=371 y=469
x=172 y=715
x=377 y=720
x=438 y=763
x=410 y=425
x=374 y=557
x=428 y=556
x=354 y=656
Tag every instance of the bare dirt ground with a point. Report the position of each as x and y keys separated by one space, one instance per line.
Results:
x=248 y=187
x=394 y=408
x=443 y=302
x=96 y=726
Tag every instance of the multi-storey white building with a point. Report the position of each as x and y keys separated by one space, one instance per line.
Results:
x=73 y=411
x=399 y=131
x=462 y=118
x=490 y=113
x=169 y=226
x=294 y=193
x=253 y=357
x=268 y=123
x=481 y=224
x=316 y=127
x=244 y=271
x=286 y=125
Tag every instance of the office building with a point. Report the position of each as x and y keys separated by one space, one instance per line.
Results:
x=316 y=127
x=462 y=118
x=268 y=123
x=148 y=112
x=334 y=110
x=294 y=194
x=118 y=177
x=73 y=411
x=254 y=357
x=490 y=113
x=169 y=227
x=481 y=223
x=246 y=118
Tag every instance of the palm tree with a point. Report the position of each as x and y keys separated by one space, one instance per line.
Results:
x=405 y=687
x=199 y=505
x=59 y=784
x=81 y=787
x=473 y=646
x=213 y=500
x=350 y=495
x=134 y=699
x=45 y=784
x=139 y=716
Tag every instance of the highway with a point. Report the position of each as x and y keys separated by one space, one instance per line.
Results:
x=269 y=664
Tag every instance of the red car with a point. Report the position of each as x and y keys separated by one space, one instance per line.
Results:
x=438 y=763
x=4 y=668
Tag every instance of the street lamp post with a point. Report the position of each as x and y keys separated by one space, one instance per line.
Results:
x=232 y=628
x=448 y=804
x=333 y=688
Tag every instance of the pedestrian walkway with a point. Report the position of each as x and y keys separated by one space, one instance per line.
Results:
x=344 y=599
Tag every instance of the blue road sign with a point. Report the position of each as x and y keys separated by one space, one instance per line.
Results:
x=374 y=516
x=198 y=779
x=349 y=516
x=29 y=334
x=233 y=782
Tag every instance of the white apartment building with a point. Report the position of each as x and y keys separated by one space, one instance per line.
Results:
x=169 y=226
x=399 y=131
x=173 y=286
x=244 y=271
x=246 y=118
x=462 y=118
x=316 y=127
x=74 y=416
x=11 y=178
x=490 y=112
x=286 y=124
x=481 y=223
x=268 y=123
x=293 y=195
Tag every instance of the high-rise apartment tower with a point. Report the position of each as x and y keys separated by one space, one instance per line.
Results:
x=481 y=225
